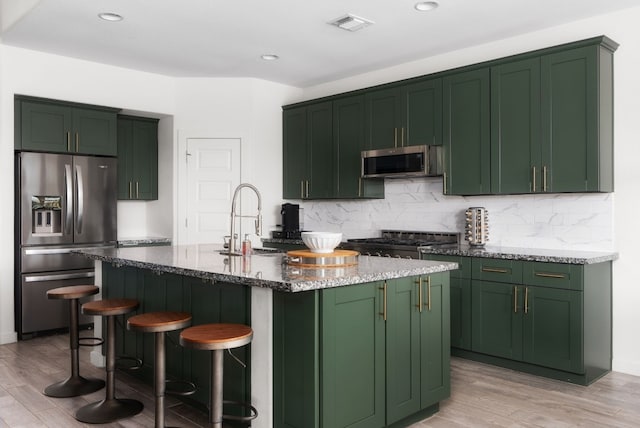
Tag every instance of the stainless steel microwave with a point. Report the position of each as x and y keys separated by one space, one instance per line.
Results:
x=399 y=162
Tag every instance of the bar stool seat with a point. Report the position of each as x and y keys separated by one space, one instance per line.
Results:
x=75 y=384
x=159 y=323
x=110 y=409
x=218 y=337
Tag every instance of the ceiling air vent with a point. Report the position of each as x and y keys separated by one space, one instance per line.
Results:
x=351 y=22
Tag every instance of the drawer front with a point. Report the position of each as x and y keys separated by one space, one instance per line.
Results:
x=464 y=264
x=554 y=275
x=497 y=270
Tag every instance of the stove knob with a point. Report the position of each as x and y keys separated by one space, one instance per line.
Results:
x=367 y=253
x=388 y=255
x=378 y=254
x=398 y=256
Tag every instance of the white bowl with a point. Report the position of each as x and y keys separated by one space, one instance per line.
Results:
x=321 y=242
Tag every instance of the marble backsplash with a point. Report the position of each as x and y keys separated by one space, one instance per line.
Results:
x=577 y=221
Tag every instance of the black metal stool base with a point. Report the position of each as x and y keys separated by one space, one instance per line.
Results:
x=105 y=411
x=73 y=386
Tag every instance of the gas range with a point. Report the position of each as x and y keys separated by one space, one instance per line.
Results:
x=401 y=243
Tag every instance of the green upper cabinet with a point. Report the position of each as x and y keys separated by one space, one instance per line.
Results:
x=137 y=158
x=321 y=151
x=59 y=127
x=348 y=137
x=577 y=120
x=551 y=123
x=308 y=152
x=466 y=117
x=515 y=127
x=406 y=115
x=294 y=125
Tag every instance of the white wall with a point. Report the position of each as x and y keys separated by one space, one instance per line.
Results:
x=559 y=221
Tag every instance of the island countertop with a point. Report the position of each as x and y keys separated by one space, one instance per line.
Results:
x=267 y=270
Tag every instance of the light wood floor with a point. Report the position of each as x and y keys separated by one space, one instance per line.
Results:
x=482 y=395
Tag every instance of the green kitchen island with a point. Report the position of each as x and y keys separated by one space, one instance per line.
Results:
x=366 y=345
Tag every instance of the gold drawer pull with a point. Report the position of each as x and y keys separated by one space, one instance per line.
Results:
x=551 y=275
x=494 y=270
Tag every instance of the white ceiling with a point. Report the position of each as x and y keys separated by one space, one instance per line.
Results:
x=225 y=38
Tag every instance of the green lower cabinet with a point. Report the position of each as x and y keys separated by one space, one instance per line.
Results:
x=460 y=298
x=206 y=302
x=536 y=325
x=552 y=328
x=353 y=354
x=496 y=319
x=369 y=355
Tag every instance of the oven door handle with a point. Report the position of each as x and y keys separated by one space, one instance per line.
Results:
x=58 y=277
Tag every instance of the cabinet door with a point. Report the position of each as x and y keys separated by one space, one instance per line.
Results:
x=403 y=348
x=570 y=120
x=353 y=358
x=435 y=340
x=145 y=153
x=348 y=137
x=125 y=159
x=515 y=127
x=496 y=317
x=467 y=133
x=121 y=283
x=553 y=334
x=383 y=119
x=422 y=113
x=95 y=132
x=294 y=165
x=321 y=160
x=461 y=313
x=45 y=127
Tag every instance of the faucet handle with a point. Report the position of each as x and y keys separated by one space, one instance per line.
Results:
x=259 y=225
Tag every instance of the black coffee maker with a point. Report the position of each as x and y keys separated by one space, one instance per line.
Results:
x=290 y=222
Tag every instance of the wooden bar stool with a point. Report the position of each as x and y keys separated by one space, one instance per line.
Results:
x=217 y=338
x=110 y=409
x=159 y=323
x=75 y=384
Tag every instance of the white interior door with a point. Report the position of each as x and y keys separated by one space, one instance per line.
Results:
x=213 y=172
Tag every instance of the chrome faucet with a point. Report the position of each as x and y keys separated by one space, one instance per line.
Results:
x=258 y=217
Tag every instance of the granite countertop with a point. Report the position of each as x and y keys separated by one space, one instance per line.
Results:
x=291 y=241
x=146 y=240
x=261 y=270
x=525 y=254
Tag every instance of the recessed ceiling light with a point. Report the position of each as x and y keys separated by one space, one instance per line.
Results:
x=425 y=5
x=108 y=16
x=269 y=57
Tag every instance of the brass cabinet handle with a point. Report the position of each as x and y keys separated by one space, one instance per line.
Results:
x=515 y=299
x=302 y=189
x=526 y=300
x=550 y=275
x=429 y=293
x=130 y=190
x=419 y=305
x=494 y=270
x=444 y=182
x=137 y=192
x=402 y=136
x=359 y=187
x=77 y=142
x=533 y=178
x=307 y=187
x=544 y=178
x=68 y=141
x=384 y=301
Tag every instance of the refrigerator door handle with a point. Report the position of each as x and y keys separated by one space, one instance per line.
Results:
x=40 y=251
x=68 y=177
x=80 y=199
x=42 y=278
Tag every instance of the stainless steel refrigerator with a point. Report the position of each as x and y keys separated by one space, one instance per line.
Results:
x=63 y=202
